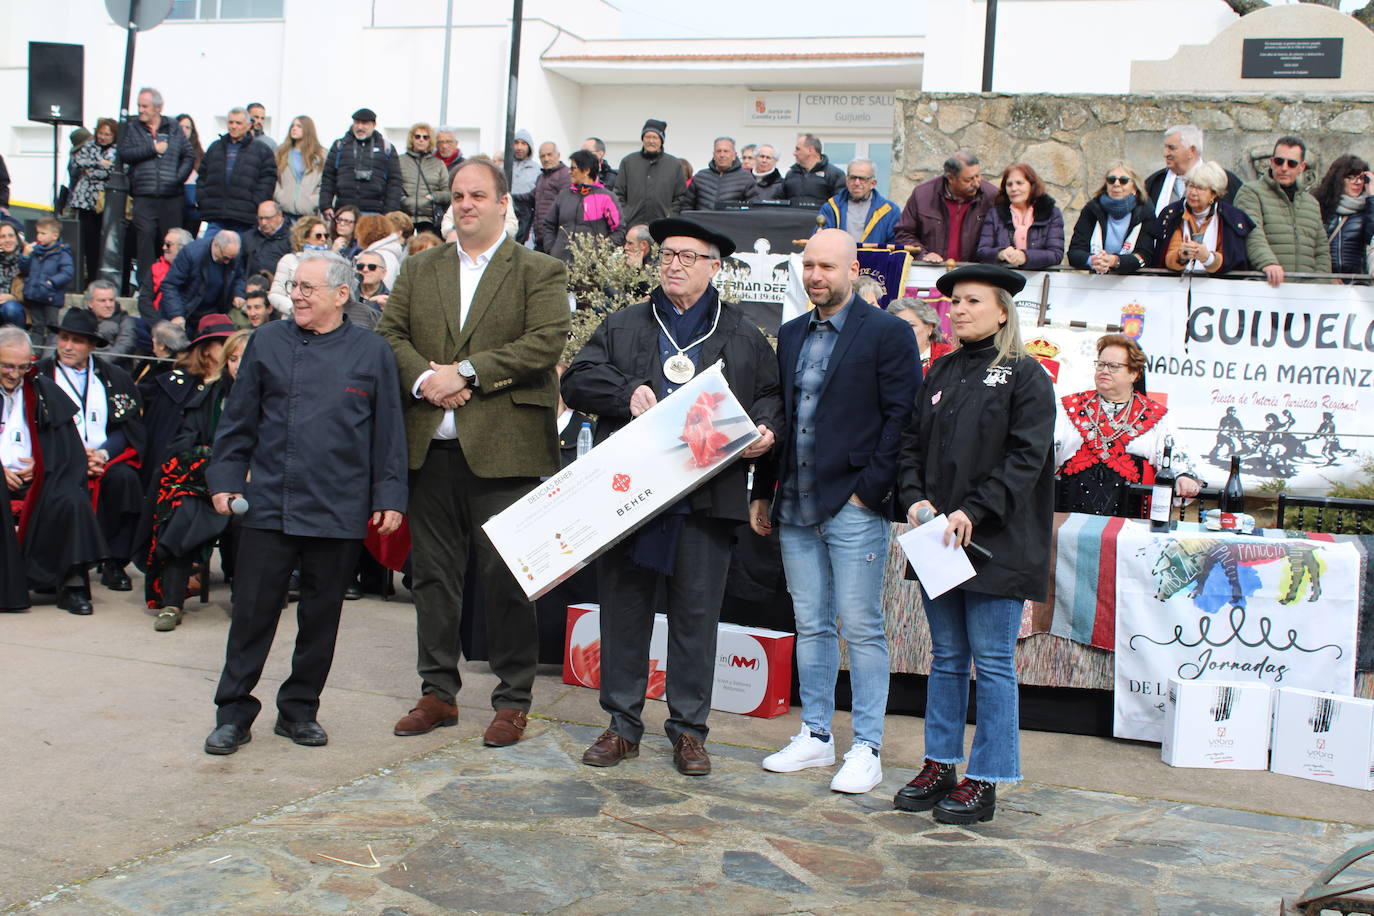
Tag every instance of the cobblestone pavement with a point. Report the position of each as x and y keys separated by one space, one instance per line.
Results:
x=528 y=829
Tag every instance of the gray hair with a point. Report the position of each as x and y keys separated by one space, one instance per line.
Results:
x=239 y=109
x=172 y=338
x=730 y=140
x=868 y=162
x=11 y=336
x=446 y=129
x=156 y=96
x=99 y=284
x=223 y=239
x=866 y=284
x=924 y=311
x=958 y=161
x=183 y=237
x=748 y=148
x=639 y=233
x=337 y=271
x=1188 y=135
x=1209 y=175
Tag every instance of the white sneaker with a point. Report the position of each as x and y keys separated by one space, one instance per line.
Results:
x=804 y=751
x=862 y=770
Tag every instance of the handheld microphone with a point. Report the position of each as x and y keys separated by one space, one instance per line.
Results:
x=925 y=514
x=238 y=505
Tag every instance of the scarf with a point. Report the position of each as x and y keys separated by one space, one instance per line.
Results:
x=9 y=268
x=1351 y=205
x=1118 y=220
x=15 y=441
x=93 y=408
x=1020 y=226
x=1206 y=225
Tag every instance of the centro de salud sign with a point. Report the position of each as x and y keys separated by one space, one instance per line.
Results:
x=1291 y=58
x=821 y=109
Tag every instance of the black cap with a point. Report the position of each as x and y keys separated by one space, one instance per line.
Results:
x=365 y=114
x=657 y=126
x=662 y=229
x=989 y=274
x=80 y=321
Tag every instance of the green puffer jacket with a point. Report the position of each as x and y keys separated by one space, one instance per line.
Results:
x=1287 y=233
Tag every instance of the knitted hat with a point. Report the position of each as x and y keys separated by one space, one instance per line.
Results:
x=657 y=126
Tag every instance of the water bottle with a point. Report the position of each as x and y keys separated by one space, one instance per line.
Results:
x=584 y=439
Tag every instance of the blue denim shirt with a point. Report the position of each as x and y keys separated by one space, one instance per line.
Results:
x=797 y=504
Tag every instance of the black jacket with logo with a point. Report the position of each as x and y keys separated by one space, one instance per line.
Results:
x=341 y=185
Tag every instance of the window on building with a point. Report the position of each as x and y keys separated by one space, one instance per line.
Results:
x=227 y=9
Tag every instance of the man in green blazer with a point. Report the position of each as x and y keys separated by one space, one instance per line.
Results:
x=477 y=327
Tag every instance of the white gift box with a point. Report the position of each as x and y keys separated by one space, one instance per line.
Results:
x=753 y=665
x=1218 y=725
x=1324 y=737
x=641 y=469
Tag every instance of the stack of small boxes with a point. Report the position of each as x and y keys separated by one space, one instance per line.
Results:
x=1229 y=725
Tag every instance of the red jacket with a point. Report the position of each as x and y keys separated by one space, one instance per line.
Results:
x=160 y=268
x=924 y=219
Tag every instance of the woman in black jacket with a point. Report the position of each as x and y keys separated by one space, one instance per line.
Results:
x=1112 y=233
x=980 y=450
x=1347 y=213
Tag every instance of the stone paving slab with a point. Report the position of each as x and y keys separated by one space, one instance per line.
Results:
x=528 y=829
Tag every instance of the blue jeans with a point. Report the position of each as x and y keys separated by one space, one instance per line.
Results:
x=835 y=570
x=968 y=625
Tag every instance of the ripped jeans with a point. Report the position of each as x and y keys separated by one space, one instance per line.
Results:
x=835 y=573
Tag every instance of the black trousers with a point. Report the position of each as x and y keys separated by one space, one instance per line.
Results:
x=448 y=505
x=265 y=560
x=118 y=511
x=153 y=217
x=90 y=223
x=694 y=594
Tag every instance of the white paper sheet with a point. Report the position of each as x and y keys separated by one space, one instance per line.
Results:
x=939 y=568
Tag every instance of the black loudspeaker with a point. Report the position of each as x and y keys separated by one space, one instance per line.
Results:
x=56 y=77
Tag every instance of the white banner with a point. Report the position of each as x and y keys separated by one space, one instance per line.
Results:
x=1283 y=378
x=1200 y=606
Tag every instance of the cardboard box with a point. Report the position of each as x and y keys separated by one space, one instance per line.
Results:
x=1324 y=737
x=753 y=665
x=641 y=469
x=1216 y=725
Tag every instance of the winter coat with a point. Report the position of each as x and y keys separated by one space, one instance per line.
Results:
x=881 y=227
x=1044 y=239
x=551 y=183
x=1091 y=229
x=339 y=185
x=1349 y=237
x=925 y=220
x=48 y=270
x=392 y=251
x=151 y=175
x=298 y=198
x=607 y=175
x=814 y=185
x=1234 y=229
x=982 y=442
x=649 y=188
x=1154 y=185
x=91 y=174
x=770 y=185
x=568 y=217
x=712 y=189
x=120 y=332
x=235 y=197
x=1287 y=232
x=262 y=252
x=425 y=186
x=198 y=285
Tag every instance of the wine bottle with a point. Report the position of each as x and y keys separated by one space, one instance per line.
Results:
x=1162 y=495
x=1232 y=501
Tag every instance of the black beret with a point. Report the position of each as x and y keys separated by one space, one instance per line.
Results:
x=661 y=229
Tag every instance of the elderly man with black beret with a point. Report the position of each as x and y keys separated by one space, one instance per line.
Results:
x=637 y=357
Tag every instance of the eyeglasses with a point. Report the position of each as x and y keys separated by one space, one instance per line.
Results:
x=306 y=290
x=1100 y=366
x=14 y=367
x=1119 y=179
x=1280 y=162
x=858 y=178
x=420 y=136
x=369 y=267
x=1358 y=176
x=685 y=258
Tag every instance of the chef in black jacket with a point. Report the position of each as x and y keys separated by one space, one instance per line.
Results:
x=980 y=450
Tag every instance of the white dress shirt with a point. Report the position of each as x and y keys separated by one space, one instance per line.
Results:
x=470 y=272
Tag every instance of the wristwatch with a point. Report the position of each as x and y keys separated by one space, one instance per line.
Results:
x=466 y=371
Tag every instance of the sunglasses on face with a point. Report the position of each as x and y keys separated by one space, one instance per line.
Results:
x=421 y=136
x=316 y=235
x=369 y=267
x=1280 y=162
x=1119 y=179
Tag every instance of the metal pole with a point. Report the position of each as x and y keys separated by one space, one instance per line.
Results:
x=989 y=43
x=112 y=226
x=517 y=15
x=54 y=169
x=128 y=63
x=448 y=49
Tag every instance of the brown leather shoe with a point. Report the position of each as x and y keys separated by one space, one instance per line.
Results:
x=506 y=728
x=690 y=757
x=430 y=713
x=609 y=750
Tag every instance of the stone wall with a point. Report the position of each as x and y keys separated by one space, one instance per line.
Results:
x=1070 y=139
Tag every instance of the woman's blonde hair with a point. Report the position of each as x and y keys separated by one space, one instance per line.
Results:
x=410 y=136
x=1008 y=336
x=1124 y=166
x=312 y=153
x=233 y=344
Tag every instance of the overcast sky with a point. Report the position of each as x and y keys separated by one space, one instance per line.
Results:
x=796 y=18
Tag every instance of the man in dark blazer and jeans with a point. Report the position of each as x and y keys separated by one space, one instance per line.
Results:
x=477 y=327
x=850 y=374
